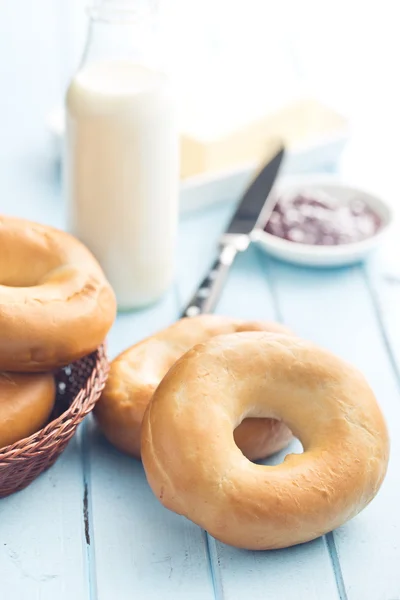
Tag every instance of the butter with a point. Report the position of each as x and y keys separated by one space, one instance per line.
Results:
x=298 y=123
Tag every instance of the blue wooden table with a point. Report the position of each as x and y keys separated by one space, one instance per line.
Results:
x=90 y=528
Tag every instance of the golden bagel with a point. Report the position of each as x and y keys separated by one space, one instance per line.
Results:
x=26 y=402
x=55 y=303
x=195 y=468
x=136 y=372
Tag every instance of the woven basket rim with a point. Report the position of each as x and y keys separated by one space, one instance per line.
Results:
x=82 y=403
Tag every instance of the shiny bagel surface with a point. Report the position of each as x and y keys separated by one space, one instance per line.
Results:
x=136 y=372
x=56 y=305
x=195 y=468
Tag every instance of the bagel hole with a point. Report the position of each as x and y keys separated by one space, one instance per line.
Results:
x=266 y=441
x=294 y=447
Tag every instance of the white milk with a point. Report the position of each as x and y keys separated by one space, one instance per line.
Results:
x=122 y=175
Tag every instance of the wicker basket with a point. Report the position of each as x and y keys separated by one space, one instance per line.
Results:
x=78 y=388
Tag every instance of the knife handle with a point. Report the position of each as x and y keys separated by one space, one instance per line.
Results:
x=208 y=293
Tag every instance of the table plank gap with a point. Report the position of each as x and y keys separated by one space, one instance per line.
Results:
x=141 y=549
x=333 y=554
x=334 y=308
x=248 y=295
x=263 y=266
x=212 y=555
x=328 y=539
x=384 y=315
x=87 y=512
x=42 y=553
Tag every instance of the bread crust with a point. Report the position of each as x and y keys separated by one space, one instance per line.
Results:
x=26 y=402
x=195 y=469
x=136 y=372
x=56 y=305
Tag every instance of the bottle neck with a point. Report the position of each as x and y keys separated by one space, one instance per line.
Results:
x=122 y=35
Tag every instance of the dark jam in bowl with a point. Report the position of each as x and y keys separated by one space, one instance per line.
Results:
x=319 y=219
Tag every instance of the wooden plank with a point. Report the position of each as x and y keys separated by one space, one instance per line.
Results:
x=383 y=279
x=132 y=327
x=303 y=571
x=141 y=550
x=198 y=237
x=334 y=308
x=42 y=552
x=247 y=294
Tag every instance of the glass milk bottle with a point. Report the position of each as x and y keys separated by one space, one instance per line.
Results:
x=121 y=158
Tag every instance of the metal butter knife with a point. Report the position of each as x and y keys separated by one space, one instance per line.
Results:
x=252 y=214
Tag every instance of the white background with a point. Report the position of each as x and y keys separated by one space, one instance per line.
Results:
x=254 y=53
x=260 y=52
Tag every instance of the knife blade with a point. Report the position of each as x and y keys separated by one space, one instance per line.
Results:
x=252 y=213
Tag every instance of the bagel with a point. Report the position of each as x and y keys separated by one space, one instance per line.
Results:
x=195 y=469
x=136 y=372
x=55 y=304
x=26 y=402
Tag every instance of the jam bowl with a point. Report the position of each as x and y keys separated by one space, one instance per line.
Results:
x=320 y=221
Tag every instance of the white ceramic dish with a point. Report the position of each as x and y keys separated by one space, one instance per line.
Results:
x=325 y=256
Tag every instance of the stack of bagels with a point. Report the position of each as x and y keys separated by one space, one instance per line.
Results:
x=201 y=399
x=198 y=401
x=55 y=308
